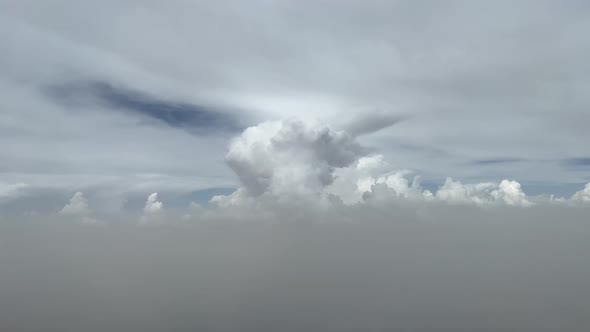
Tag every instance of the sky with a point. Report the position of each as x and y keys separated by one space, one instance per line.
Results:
x=119 y=100
x=282 y=165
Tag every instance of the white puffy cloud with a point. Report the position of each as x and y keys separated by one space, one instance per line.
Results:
x=78 y=205
x=371 y=178
x=351 y=182
x=507 y=192
x=456 y=192
x=152 y=205
x=582 y=195
x=78 y=209
x=152 y=211
x=240 y=197
x=290 y=157
x=293 y=161
x=510 y=192
x=398 y=186
x=392 y=186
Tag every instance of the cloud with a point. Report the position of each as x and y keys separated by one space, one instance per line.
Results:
x=456 y=192
x=290 y=157
x=152 y=205
x=153 y=211
x=77 y=208
x=393 y=267
x=11 y=191
x=582 y=195
x=510 y=192
x=196 y=119
x=398 y=186
x=465 y=84
x=371 y=122
x=577 y=162
x=507 y=192
x=291 y=160
x=78 y=205
x=496 y=161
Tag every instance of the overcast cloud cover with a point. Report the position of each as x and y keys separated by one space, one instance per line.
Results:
x=294 y=165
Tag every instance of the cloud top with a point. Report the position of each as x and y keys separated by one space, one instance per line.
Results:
x=78 y=205
x=290 y=156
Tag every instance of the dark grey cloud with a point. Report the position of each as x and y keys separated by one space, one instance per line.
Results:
x=194 y=118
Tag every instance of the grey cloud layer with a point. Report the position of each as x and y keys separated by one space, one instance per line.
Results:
x=448 y=269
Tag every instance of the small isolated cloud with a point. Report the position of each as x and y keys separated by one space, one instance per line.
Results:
x=78 y=205
x=78 y=208
x=153 y=210
x=152 y=205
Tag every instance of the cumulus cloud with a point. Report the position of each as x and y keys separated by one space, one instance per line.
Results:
x=510 y=192
x=371 y=176
x=398 y=186
x=507 y=192
x=78 y=205
x=152 y=205
x=78 y=209
x=153 y=210
x=582 y=195
x=456 y=192
x=290 y=157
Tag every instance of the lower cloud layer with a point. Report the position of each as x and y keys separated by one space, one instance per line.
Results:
x=448 y=269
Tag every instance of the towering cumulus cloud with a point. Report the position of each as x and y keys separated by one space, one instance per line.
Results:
x=290 y=157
